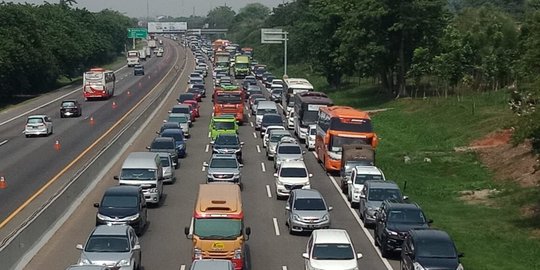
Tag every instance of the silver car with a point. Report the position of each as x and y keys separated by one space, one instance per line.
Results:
x=212 y=264
x=306 y=210
x=224 y=168
x=287 y=151
x=273 y=139
x=182 y=119
x=112 y=245
x=167 y=163
x=91 y=267
x=38 y=125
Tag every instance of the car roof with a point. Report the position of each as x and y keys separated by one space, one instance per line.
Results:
x=178 y=114
x=381 y=184
x=122 y=190
x=111 y=230
x=172 y=130
x=430 y=233
x=164 y=154
x=37 y=116
x=367 y=170
x=69 y=100
x=279 y=131
x=227 y=135
x=181 y=106
x=211 y=264
x=289 y=144
x=293 y=164
x=334 y=236
x=401 y=205
x=307 y=193
x=223 y=156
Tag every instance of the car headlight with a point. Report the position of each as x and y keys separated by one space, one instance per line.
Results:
x=418 y=266
x=356 y=190
x=197 y=254
x=237 y=253
x=324 y=218
x=153 y=190
x=279 y=182
x=103 y=217
x=297 y=217
x=85 y=261
x=236 y=174
x=124 y=262
x=460 y=267
x=134 y=217
x=390 y=232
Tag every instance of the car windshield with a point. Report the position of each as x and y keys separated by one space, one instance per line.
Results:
x=138 y=174
x=277 y=137
x=178 y=119
x=184 y=97
x=119 y=201
x=381 y=194
x=227 y=140
x=35 y=121
x=180 y=110
x=309 y=204
x=435 y=248
x=223 y=163
x=162 y=145
x=332 y=252
x=178 y=136
x=277 y=92
x=289 y=149
x=352 y=125
x=224 y=125
x=107 y=243
x=169 y=126
x=406 y=216
x=193 y=91
x=271 y=120
x=362 y=178
x=217 y=228
x=198 y=86
x=293 y=172
x=165 y=162
x=68 y=104
x=229 y=98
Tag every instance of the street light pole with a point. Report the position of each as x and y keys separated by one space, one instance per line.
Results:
x=285 y=56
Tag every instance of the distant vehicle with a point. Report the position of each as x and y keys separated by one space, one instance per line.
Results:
x=263 y=108
x=200 y=87
x=165 y=144
x=195 y=107
x=179 y=140
x=330 y=249
x=267 y=132
x=276 y=94
x=306 y=211
x=222 y=125
x=169 y=175
x=359 y=176
x=169 y=125
x=195 y=80
x=98 y=83
x=123 y=205
x=353 y=155
x=143 y=169
x=197 y=92
x=292 y=87
x=241 y=66
x=372 y=196
x=186 y=96
x=116 y=245
x=70 y=108
x=138 y=70
x=148 y=51
x=224 y=168
x=152 y=43
x=91 y=267
x=289 y=176
x=228 y=144
x=182 y=119
x=306 y=110
x=133 y=58
x=270 y=119
x=183 y=108
x=287 y=152
x=273 y=139
x=310 y=137
x=430 y=249
x=142 y=54
x=37 y=125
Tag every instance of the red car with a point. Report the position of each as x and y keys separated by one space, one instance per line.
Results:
x=194 y=105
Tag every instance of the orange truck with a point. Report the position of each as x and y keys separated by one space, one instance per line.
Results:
x=338 y=126
x=229 y=101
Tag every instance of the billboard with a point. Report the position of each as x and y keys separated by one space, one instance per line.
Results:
x=166 y=27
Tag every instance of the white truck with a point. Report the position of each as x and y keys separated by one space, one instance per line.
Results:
x=133 y=58
x=142 y=55
x=152 y=43
x=148 y=52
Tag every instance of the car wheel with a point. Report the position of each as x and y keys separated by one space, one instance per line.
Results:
x=384 y=250
x=343 y=187
x=51 y=131
x=291 y=232
x=27 y=136
x=349 y=197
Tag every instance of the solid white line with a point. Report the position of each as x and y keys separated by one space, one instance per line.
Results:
x=254 y=135
x=209 y=134
x=5 y=141
x=206 y=149
x=281 y=106
x=276 y=228
x=203 y=168
x=315 y=154
x=357 y=217
x=251 y=123
x=268 y=192
x=183 y=267
x=191 y=226
x=249 y=114
x=283 y=267
x=263 y=167
x=258 y=148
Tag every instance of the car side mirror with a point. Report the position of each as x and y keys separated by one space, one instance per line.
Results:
x=275 y=175
x=164 y=121
x=405 y=198
x=305 y=256
x=169 y=111
x=212 y=142
x=430 y=221
x=205 y=164
x=241 y=165
x=186 y=232
x=96 y=205
x=157 y=132
x=310 y=175
x=288 y=208
x=248 y=231
x=148 y=147
x=79 y=246
x=363 y=196
x=116 y=177
x=137 y=247
x=359 y=256
x=330 y=208
x=349 y=182
x=242 y=143
x=303 y=151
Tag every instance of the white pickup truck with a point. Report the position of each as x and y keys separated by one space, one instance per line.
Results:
x=133 y=58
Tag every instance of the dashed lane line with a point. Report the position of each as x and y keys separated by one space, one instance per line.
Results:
x=276 y=227
x=263 y=168
x=258 y=148
x=206 y=148
x=268 y=191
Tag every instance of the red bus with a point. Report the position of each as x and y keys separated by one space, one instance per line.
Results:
x=337 y=126
x=98 y=83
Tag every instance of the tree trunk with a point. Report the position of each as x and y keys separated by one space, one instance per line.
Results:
x=402 y=85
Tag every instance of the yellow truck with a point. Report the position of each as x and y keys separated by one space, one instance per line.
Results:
x=241 y=66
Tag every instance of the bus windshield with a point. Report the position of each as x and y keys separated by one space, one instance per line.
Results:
x=217 y=228
x=351 y=125
x=229 y=98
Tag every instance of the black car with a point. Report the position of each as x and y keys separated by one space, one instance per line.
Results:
x=123 y=205
x=429 y=249
x=228 y=144
x=70 y=108
x=138 y=70
x=276 y=94
x=201 y=88
x=186 y=96
x=393 y=221
x=270 y=119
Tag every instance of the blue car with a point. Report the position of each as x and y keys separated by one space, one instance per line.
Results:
x=179 y=138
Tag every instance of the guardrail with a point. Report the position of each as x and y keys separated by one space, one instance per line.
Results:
x=21 y=240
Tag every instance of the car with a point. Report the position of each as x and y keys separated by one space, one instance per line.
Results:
x=224 y=168
x=195 y=107
x=179 y=140
x=70 y=108
x=250 y=79
x=91 y=267
x=273 y=139
x=276 y=94
x=201 y=88
x=196 y=92
x=393 y=221
x=268 y=80
x=222 y=124
x=195 y=75
x=330 y=249
x=359 y=176
x=195 y=80
x=186 y=96
x=169 y=125
x=372 y=196
x=277 y=82
x=253 y=89
x=37 y=125
x=212 y=264
x=287 y=151
x=310 y=138
x=185 y=109
x=264 y=76
x=138 y=70
x=123 y=205
x=306 y=210
x=159 y=53
x=201 y=69
x=228 y=144
x=112 y=245
x=165 y=144
x=291 y=175
x=290 y=120
x=169 y=174
x=429 y=249
x=182 y=119
x=218 y=77
x=270 y=119
x=255 y=103
x=267 y=133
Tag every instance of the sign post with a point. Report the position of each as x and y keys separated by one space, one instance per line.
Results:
x=276 y=36
x=137 y=33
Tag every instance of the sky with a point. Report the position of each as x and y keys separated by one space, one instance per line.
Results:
x=175 y=8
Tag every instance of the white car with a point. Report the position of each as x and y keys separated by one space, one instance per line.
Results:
x=310 y=138
x=290 y=120
x=267 y=133
x=359 y=175
x=287 y=150
x=291 y=175
x=330 y=249
x=38 y=125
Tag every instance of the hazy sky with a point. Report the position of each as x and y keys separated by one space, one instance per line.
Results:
x=175 y=8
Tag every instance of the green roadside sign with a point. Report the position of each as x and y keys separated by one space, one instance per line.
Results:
x=137 y=32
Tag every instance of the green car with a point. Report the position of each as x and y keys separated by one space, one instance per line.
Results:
x=223 y=124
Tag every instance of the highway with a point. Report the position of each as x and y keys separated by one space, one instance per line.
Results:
x=164 y=245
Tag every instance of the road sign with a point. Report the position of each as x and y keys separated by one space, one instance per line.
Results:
x=137 y=33
x=272 y=36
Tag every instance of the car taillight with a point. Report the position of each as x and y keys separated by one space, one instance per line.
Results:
x=237 y=253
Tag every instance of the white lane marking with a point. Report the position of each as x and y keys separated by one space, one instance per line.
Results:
x=254 y=135
x=191 y=226
x=251 y=123
x=276 y=227
x=263 y=167
x=315 y=154
x=258 y=148
x=281 y=106
x=357 y=217
x=283 y=267
x=209 y=134
x=5 y=141
x=268 y=192
x=206 y=149
x=183 y=267
x=203 y=168
x=249 y=114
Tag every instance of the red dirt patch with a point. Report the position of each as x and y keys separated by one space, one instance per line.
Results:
x=496 y=138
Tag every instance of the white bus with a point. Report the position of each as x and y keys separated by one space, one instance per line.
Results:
x=98 y=83
x=291 y=87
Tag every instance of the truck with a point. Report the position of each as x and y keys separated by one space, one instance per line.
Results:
x=354 y=155
x=152 y=43
x=241 y=66
x=142 y=55
x=222 y=62
x=133 y=58
x=148 y=51
x=229 y=101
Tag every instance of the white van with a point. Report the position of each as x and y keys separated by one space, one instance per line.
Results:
x=143 y=169
x=264 y=107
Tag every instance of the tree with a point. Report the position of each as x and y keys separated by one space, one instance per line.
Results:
x=220 y=17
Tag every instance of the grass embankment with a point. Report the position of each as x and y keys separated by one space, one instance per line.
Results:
x=492 y=237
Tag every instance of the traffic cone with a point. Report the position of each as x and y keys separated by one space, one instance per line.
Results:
x=3 y=184
x=92 y=120
x=57 y=145
x=114 y=105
